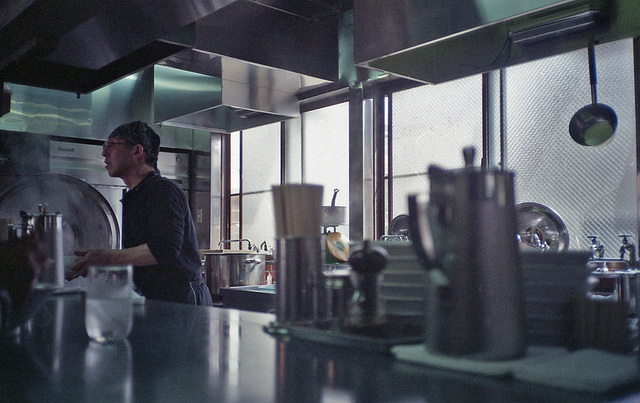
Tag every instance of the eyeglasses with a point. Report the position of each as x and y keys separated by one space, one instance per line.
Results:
x=107 y=144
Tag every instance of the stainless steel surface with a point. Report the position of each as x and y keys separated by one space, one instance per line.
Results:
x=466 y=238
x=300 y=287
x=294 y=35
x=541 y=228
x=453 y=39
x=619 y=285
x=357 y=184
x=333 y=215
x=50 y=230
x=85 y=161
x=196 y=90
x=224 y=355
x=400 y=226
x=80 y=48
x=259 y=298
x=231 y=269
x=88 y=220
x=261 y=42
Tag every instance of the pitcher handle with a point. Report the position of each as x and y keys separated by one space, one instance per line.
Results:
x=420 y=232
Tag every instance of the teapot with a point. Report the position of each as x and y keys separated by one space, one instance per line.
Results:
x=465 y=236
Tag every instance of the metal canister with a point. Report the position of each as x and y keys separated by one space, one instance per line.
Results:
x=49 y=228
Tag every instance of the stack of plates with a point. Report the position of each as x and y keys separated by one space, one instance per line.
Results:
x=552 y=283
x=403 y=284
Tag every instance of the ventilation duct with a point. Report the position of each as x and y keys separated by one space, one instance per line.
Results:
x=436 y=41
x=203 y=91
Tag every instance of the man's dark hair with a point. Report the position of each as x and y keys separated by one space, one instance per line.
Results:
x=140 y=133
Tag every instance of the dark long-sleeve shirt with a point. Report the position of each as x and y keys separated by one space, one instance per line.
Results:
x=156 y=212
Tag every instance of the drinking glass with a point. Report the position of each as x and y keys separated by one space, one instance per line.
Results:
x=109 y=304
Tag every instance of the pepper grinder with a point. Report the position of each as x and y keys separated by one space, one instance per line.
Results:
x=366 y=309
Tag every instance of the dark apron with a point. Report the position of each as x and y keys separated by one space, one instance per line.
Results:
x=170 y=285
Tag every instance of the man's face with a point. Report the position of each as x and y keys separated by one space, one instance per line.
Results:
x=118 y=157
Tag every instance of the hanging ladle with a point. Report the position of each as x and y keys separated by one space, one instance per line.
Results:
x=594 y=124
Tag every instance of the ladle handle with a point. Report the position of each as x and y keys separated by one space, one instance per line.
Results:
x=592 y=72
x=333 y=200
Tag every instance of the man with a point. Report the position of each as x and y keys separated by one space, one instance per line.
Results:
x=158 y=234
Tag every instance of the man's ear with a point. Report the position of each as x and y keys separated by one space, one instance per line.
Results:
x=138 y=151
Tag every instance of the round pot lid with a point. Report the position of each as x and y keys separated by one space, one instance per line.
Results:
x=541 y=228
x=400 y=225
x=87 y=218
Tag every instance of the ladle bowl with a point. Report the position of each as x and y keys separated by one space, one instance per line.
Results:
x=593 y=124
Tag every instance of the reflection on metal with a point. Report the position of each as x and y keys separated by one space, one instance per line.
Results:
x=300 y=36
x=46 y=111
x=453 y=39
x=198 y=90
x=82 y=46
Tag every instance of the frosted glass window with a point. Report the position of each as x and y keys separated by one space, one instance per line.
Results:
x=431 y=125
x=235 y=163
x=258 y=223
x=592 y=189
x=260 y=171
x=325 y=145
x=260 y=158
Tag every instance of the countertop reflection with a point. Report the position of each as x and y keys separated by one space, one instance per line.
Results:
x=179 y=352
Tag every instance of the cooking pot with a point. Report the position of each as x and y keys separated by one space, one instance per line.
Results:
x=333 y=215
x=621 y=285
x=234 y=268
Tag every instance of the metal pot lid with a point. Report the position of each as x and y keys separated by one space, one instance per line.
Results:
x=400 y=225
x=87 y=218
x=541 y=228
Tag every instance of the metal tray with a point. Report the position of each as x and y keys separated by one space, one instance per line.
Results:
x=380 y=340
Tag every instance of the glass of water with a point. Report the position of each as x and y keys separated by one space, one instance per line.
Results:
x=109 y=304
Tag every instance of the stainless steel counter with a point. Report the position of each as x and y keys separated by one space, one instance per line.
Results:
x=180 y=352
x=259 y=298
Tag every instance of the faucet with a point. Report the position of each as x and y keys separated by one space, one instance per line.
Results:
x=250 y=246
x=596 y=248
x=628 y=246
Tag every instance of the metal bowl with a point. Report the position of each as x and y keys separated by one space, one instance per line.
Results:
x=539 y=227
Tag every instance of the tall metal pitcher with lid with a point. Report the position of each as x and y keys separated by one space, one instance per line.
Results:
x=465 y=237
x=50 y=231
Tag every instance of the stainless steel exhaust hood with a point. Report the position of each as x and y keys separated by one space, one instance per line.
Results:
x=80 y=46
x=436 y=41
x=204 y=91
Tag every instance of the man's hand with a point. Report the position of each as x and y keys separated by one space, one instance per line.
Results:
x=91 y=257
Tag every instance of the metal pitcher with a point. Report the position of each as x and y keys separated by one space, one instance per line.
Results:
x=50 y=232
x=465 y=236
